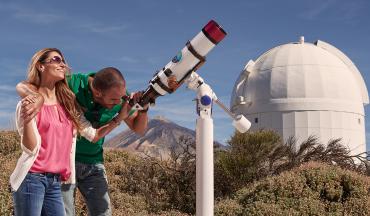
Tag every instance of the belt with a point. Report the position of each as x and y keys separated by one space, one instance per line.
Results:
x=47 y=174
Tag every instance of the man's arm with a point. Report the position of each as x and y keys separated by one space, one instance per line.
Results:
x=24 y=89
x=93 y=135
x=32 y=100
x=116 y=121
x=138 y=123
x=105 y=129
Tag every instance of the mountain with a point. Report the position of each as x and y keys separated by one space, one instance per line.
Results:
x=161 y=137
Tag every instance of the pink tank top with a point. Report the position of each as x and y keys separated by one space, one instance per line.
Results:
x=56 y=132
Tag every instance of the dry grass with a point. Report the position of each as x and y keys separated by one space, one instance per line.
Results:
x=148 y=186
x=131 y=182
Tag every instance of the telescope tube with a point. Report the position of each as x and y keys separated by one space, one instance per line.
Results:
x=189 y=59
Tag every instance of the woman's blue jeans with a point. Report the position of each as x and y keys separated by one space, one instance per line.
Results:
x=39 y=194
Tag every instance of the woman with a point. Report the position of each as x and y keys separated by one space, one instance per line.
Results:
x=48 y=140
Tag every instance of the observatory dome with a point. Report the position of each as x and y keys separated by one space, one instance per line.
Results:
x=301 y=89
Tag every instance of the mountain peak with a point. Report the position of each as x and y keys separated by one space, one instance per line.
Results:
x=161 y=118
x=162 y=136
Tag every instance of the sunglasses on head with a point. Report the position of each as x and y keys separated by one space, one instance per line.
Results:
x=55 y=59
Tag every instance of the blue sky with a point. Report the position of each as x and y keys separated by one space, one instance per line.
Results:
x=141 y=36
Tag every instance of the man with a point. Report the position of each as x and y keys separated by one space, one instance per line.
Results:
x=100 y=95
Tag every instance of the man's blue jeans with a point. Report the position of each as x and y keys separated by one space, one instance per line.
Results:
x=91 y=180
x=39 y=194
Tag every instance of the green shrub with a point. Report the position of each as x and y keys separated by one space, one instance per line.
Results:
x=256 y=155
x=312 y=189
x=245 y=160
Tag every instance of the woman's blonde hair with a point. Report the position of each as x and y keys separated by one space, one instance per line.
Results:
x=64 y=95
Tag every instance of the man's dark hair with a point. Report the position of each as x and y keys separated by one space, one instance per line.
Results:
x=107 y=78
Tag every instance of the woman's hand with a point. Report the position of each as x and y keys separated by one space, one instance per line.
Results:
x=31 y=105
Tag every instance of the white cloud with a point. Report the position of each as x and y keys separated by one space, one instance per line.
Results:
x=6 y=120
x=154 y=60
x=13 y=67
x=103 y=28
x=6 y=114
x=7 y=88
x=350 y=11
x=36 y=17
x=346 y=11
x=133 y=83
x=8 y=102
x=128 y=59
x=140 y=61
x=29 y=15
x=317 y=9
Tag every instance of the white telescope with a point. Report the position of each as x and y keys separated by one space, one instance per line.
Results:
x=183 y=67
x=189 y=59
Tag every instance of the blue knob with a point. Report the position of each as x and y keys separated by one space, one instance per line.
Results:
x=205 y=100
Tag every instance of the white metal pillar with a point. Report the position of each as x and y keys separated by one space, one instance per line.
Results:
x=204 y=142
x=204 y=167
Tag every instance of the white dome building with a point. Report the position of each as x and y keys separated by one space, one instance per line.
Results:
x=302 y=89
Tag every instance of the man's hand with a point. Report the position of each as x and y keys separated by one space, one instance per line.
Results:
x=172 y=82
x=138 y=121
x=135 y=98
x=31 y=105
x=123 y=113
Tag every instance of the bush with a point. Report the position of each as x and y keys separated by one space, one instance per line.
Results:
x=228 y=207
x=256 y=155
x=245 y=160
x=137 y=185
x=312 y=189
x=149 y=186
x=9 y=142
x=9 y=152
x=156 y=186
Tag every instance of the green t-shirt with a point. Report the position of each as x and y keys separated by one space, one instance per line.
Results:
x=86 y=151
